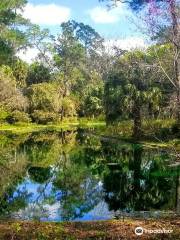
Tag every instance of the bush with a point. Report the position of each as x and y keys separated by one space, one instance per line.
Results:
x=176 y=129
x=164 y=133
x=17 y=116
x=44 y=97
x=69 y=105
x=42 y=117
x=3 y=115
x=11 y=97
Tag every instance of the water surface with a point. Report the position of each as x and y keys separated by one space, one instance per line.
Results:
x=78 y=175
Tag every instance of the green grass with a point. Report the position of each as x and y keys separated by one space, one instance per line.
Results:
x=31 y=127
x=24 y=128
x=122 y=130
x=156 y=133
x=149 y=127
x=175 y=144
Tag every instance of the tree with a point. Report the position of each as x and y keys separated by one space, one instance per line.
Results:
x=69 y=54
x=40 y=174
x=87 y=36
x=163 y=24
x=128 y=88
x=124 y=179
x=11 y=29
x=38 y=73
x=41 y=40
x=44 y=96
x=10 y=97
x=76 y=51
x=20 y=72
x=162 y=21
x=92 y=102
x=160 y=58
x=93 y=44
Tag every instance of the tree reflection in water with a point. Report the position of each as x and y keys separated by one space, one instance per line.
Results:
x=70 y=175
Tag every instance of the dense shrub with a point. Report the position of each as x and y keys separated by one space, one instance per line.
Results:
x=3 y=115
x=38 y=73
x=69 y=106
x=43 y=117
x=164 y=133
x=11 y=97
x=176 y=129
x=17 y=116
x=44 y=97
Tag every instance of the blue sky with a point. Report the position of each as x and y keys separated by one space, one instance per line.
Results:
x=115 y=25
x=111 y=24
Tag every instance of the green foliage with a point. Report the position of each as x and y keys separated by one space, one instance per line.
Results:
x=38 y=73
x=176 y=129
x=163 y=133
x=42 y=117
x=17 y=116
x=130 y=88
x=93 y=101
x=73 y=50
x=12 y=36
x=20 y=72
x=90 y=39
x=69 y=52
x=16 y=227
x=81 y=79
x=10 y=97
x=3 y=115
x=44 y=96
x=69 y=106
x=40 y=175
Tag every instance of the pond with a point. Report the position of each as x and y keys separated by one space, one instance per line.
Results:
x=77 y=175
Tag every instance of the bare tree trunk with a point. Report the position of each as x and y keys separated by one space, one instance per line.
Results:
x=177 y=200
x=106 y=103
x=150 y=110
x=62 y=113
x=176 y=40
x=178 y=106
x=137 y=129
x=63 y=96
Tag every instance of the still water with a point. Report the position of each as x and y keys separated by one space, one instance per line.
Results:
x=79 y=175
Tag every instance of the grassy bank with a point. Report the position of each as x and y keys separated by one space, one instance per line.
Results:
x=158 y=128
x=122 y=129
x=156 y=133
x=113 y=229
x=31 y=127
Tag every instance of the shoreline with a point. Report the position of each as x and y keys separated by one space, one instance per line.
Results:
x=104 y=133
x=166 y=228
x=26 y=128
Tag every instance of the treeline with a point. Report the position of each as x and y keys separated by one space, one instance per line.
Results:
x=136 y=88
x=64 y=81
x=75 y=76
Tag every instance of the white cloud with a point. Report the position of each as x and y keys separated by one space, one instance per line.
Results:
x=103 y=15
x=28 y=55
x=126 y=43
x=50 y=14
